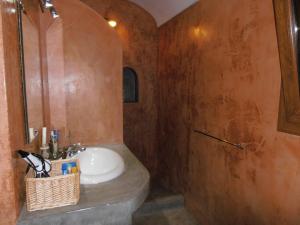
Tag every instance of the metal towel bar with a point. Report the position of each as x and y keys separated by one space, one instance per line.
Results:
x=239 y=146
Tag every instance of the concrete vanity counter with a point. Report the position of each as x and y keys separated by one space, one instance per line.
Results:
x=109 y=203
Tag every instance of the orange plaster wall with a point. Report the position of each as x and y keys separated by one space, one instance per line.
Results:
x=82 y=75
x=138 y=33
x=220 y=72
x=6 y=175
x=99 y=98
x=11 y=116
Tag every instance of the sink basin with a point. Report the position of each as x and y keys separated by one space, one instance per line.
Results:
x=99 y=165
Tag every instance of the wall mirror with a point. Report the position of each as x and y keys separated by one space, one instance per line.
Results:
x=30 y=71
x=287 y=15
x=69 y=83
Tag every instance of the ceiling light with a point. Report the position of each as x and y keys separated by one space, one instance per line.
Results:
x=112 y=23
x=47 y=4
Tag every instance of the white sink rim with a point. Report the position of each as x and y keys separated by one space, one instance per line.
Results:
x=109 y=165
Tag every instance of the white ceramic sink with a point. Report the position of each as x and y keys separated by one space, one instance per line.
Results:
x=99 y=165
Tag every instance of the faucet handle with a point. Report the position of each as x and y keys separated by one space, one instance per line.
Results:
x=77 y=147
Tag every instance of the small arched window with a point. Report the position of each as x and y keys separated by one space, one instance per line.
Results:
x=130 y=85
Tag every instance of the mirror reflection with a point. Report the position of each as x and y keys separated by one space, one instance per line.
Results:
x=32 y=73
x=70 y=76
x=31 y=70
x=39 y=39
x=287 y=14
x=296 y=24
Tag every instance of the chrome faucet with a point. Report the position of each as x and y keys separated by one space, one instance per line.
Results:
x=73 y=150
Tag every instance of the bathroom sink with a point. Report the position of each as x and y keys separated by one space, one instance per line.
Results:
x=99 y=165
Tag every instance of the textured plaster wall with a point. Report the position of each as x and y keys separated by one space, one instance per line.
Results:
x=139 y=36
x=94 y=108
x=220 y=72
x=82 y=74
x=11 y=115
x=6 y=175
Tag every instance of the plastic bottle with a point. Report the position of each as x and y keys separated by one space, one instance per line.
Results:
x=74 y=167
x=64 y=168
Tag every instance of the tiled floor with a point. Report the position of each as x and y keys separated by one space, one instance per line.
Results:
x=163 y=208
x=177 y=216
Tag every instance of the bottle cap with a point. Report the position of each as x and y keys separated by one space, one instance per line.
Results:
x=73 y=164
x=74 y=169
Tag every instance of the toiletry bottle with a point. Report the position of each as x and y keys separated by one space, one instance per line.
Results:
x=74 y=167
x=54 y=144
x=64 y=168
x=69 y=168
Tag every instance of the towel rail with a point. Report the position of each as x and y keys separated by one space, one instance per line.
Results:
x=239 y=146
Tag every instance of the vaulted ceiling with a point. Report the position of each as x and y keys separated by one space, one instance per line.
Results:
x=164 y=10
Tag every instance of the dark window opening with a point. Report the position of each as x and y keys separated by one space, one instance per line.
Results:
x=130 y=85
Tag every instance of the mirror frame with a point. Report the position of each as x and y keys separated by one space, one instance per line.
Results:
x=22 y=69
x=289 y=110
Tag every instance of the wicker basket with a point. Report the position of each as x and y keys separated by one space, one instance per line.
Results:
x=56 y=191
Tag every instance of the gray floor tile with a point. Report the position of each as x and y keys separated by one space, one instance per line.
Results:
x=178 y=216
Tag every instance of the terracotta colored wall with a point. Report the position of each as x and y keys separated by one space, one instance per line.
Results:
x=11 y=115
x=178 y=64
x=6 y=175
x=220 y=65
x=139 y=36
x=82 y=73
x=55 y=65
x=102 y=72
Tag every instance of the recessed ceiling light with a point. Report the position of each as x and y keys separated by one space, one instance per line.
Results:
x=112 y=23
